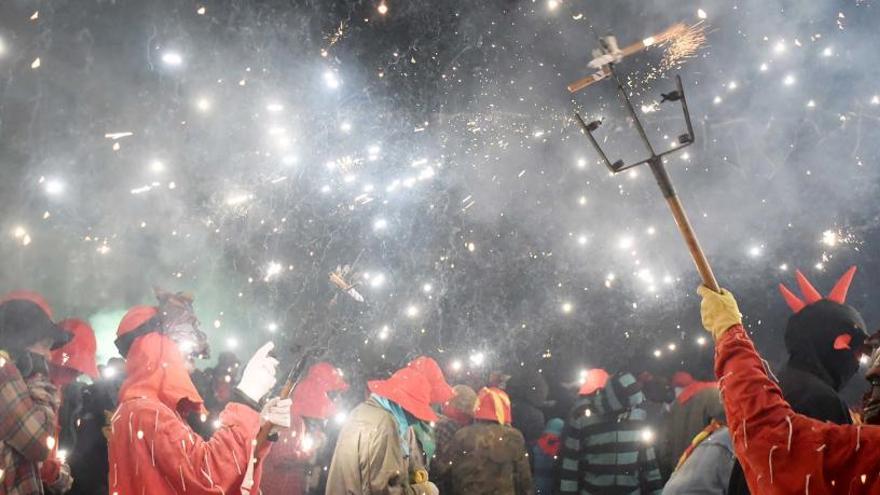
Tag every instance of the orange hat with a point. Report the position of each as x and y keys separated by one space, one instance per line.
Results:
x=310 y=399
x=79 y=353
x=409 y=389
x=493 y=404
x=26 y=295
x=441 y=392
x=595 y=379
x=138 y=321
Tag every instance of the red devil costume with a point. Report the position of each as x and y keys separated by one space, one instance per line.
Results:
x=783 y=452
x=152 y=449
x=287 y=467
x=823 y=337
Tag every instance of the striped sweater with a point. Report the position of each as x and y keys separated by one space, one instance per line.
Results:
x=603 y=447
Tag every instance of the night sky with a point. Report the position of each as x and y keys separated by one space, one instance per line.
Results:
x=426 y=152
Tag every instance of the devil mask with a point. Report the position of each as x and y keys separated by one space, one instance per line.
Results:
x=824 y=336
x=179 y=322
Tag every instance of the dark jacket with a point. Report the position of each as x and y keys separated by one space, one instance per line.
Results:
x=487 y=458
x=603 y=447
x=88 y=460
x=690 y=413
x=528 y=396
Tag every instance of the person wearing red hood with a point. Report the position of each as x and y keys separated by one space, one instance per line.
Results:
x=697 y=405
x=66 y=364
x=441 y=393
x=376 y=447
x=288 y=469
x=783 y=452
x=28 y=400
x=489 y=456
x=151 y=447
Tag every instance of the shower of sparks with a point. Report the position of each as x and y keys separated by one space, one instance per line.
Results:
x=682 y=44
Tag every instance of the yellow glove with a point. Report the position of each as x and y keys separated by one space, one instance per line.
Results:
x=719 y=311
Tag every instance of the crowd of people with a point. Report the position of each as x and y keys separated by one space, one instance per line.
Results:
x=151 y=423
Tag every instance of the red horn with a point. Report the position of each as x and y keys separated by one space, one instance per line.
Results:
x=793 y=301
x=810 y=293
x=838 y=293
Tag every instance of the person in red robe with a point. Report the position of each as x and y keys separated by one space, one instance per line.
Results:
x=152 y=450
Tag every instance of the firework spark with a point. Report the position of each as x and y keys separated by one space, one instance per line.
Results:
x=682 y=43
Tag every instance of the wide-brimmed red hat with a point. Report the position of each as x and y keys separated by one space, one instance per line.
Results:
x=441 y=392
x=594 y=379
x=79 y=353
x=493 y=404
x=410 y=390
x=310 y=399
x=27 y=295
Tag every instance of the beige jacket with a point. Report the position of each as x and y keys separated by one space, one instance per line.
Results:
x=368 y=459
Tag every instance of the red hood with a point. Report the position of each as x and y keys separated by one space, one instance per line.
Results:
x=310 y=399
x=693 y=389
x=155 y=369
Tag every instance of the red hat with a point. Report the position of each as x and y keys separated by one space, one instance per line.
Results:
x=409 y=389
x=493 y=404
x=26 y=295
x=441 y=392
x=79 y=353
x=310 y=399
x=134 y=324
x=595 y=379
x=682 y=379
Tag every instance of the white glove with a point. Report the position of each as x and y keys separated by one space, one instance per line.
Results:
x=277 y=412
x=258 y=377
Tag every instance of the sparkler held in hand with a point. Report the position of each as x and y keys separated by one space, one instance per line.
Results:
x=606 y=61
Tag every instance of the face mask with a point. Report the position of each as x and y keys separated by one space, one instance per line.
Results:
x=179 y=323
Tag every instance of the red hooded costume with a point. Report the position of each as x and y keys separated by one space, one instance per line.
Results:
x=287 y=466
x=152 y=450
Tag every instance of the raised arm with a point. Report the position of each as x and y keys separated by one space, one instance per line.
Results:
x=782 y=452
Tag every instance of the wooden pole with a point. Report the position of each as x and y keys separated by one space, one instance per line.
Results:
x=684 y=225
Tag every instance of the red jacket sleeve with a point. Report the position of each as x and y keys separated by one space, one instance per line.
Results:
x=782 y=452
x=197 y=466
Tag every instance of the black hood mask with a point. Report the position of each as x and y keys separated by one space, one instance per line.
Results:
x=825 y=335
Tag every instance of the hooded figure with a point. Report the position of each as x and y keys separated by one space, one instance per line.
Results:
x=28 y=401
x=289 y=468
x=545 y=453
x=605 y=448
x=782 y=452
x=696 y=406
x=66 y=364
x=528 y=395
x=489 y=456
x=824 y=338
x=151 y=447
x=376 y=448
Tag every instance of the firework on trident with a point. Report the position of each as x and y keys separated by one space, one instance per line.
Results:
x=604 y=60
